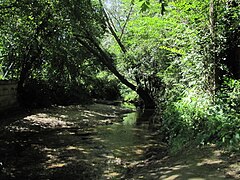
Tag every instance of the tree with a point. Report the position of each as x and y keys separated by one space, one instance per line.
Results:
x=69 y=22
x=69 y=33
x=38 y=45
x=87 y=36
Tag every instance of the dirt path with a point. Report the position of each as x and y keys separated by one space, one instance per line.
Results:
x=99 y=142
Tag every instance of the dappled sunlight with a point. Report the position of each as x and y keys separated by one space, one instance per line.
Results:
x=172 y=177
x=209 y=162
x=139 y=151
x=46 y=120
x=63 y=156
x=58 y=165
x=110 y=175
x=86 y=141
x=195 y=164
x=88 y=113
x=55 y=144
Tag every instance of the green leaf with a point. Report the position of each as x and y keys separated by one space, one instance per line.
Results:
x=237 y=136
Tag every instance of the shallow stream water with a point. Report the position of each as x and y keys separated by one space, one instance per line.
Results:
x=125 y=144
x=76 y=142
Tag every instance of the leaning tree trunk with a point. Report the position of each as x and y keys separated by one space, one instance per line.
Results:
x=92 y=46
x=143 y=93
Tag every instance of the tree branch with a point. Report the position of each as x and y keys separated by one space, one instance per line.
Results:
x=104 y=58
x=128 y=17
x=112 y=29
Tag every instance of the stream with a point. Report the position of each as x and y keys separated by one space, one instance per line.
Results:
x=74 y=142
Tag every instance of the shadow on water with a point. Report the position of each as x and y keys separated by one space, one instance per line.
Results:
x=73 y=143
x=95 y=142
x=126 y=143
x=146 y=116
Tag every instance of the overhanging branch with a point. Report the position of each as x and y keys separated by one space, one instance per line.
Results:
x=112 y=29
x=93 y=47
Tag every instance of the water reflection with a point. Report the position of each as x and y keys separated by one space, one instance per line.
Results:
x=125 y=142
x=130 y=119
x=126 y=138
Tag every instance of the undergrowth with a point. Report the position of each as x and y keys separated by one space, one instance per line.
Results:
x=201 y=119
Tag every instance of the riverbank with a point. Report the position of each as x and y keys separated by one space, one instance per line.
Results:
x=100 y=142
x=196 y=163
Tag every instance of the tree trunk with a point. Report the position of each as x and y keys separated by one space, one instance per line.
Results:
x=213 y=72
x=147 y=99
x=93 y=47
x=91 y=44
x=25 y=71
x=29 y=57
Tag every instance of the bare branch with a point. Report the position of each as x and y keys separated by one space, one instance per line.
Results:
x=111 y=28
x=115 y=18
x=128 y=17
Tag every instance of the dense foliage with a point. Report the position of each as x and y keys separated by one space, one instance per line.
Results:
x=179 y=57
x=38 y=49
